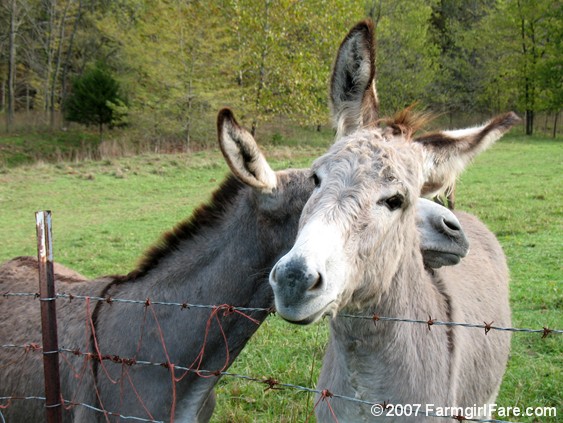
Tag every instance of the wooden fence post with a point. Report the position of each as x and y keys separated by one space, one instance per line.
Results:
x=53 y=406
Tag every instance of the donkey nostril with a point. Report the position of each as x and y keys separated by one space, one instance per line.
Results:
x=454 y=226
x=318 y=283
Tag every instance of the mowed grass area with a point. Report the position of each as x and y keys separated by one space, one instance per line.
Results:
x=105 y=214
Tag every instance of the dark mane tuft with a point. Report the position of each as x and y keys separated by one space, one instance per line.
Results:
x=204 y=216
x=408 y=121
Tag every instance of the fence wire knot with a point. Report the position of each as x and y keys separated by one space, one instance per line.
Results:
x=375 y=318
x=325 y=393
x=272 y=383
x=228 y=310
x=430 y=322
x=147 y=302
x=129 y=361
x=488 y=327
x=546 y=332
x=93 y=357
x=386 y=405
x=459 y=418
x=33 y=347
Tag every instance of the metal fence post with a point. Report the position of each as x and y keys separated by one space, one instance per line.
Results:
x=53 y=406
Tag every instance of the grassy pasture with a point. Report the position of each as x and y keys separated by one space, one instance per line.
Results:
x=106 y=213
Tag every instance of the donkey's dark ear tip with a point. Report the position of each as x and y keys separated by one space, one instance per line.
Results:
x=225 y=115
x=514 y=117
x=365 y=26
x=508 y=120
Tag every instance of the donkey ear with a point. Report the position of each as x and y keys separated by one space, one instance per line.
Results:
x=449 y=152
x=353 y=96
x=243 y=155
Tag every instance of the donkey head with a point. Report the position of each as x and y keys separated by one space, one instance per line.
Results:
x=276 y=199
x=279 y=198
x=359 y=225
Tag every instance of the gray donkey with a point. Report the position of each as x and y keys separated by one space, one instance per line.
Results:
x=221 y=255
x=358 y=252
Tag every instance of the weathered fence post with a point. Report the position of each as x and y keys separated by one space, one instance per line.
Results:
x=53 y=406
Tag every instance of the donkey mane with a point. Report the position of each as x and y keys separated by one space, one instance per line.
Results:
x=205 y=216
x=407 y=122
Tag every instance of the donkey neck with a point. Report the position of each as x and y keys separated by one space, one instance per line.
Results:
x=367 y=356
x=412 y=291
x=215 y=257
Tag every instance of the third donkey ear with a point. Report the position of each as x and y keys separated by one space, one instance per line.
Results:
x=449 y=152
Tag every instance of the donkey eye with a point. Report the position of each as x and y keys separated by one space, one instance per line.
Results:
x=316 y=179
x=395 y=202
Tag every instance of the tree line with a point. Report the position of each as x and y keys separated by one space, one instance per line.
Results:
x=177 y=61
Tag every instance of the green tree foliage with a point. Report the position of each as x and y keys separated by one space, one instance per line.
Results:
x=517 y=43
x=458 y=78
x=179 y=61
x=283 y=54
x=95 y=99
x=406 y=56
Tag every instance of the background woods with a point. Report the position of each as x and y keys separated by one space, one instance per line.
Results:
x=177 y=62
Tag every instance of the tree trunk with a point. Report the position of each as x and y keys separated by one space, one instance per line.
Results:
x=48 y=47
x=55 y=76
x=529 y=122
x=27 y=99
x=3 y=95
x=555 y=124
x=68 y=58
x=262 y=71
x=11 y=68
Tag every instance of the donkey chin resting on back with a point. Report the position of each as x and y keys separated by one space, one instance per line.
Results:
x=221 y=255
x=358 y=251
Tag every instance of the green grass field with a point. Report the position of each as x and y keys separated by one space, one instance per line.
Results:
x=106 y=213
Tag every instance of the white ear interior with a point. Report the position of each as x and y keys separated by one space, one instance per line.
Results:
x=243 y=155
x=447 y=153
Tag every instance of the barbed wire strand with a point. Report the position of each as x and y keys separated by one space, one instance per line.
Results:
x=73 y=404
x=270 y=382
x=545 y=331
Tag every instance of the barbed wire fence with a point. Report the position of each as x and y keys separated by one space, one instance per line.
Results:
x=270 y=383
x=54 y=403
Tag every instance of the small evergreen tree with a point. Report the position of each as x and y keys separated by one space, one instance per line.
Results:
x=93 y=97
